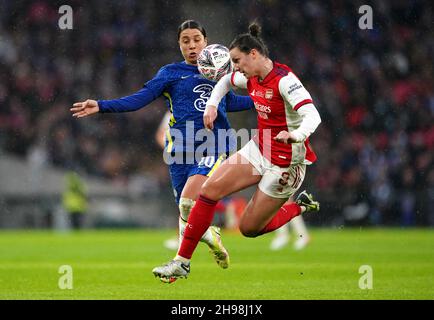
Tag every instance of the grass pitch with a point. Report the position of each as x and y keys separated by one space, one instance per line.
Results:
x=117 y=265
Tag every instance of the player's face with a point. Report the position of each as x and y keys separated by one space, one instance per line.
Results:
x=243 y=62
x=191 y=43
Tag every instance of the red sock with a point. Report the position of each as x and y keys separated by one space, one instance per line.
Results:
x=199 y=220
x=284 y=215
x=220 y=206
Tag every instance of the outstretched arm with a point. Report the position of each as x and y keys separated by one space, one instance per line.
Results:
x=125 y=104
x=133 y=102
x=150 y=91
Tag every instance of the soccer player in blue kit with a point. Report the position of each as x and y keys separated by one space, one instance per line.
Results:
x=186 y=93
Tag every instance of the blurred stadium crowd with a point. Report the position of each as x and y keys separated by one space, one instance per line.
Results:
x=373 y=88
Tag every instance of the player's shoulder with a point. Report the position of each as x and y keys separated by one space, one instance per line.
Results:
x=171 y=67
x=178 y=69
x=286 y=74
x=291 y=86
x=290 y=83
x=281 y=73
x=281 y=69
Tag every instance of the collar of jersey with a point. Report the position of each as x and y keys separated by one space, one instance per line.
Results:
x=269 y=76
x=188 y=65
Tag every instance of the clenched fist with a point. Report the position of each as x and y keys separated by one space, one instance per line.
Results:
x=209 y=116
x=285 y=137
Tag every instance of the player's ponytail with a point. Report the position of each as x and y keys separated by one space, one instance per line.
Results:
x=247 y=41
x=255 y=29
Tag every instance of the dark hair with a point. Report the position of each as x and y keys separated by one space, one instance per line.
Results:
x=247 y=41
x=191 y=24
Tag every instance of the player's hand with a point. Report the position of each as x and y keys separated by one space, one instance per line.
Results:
x=209 y=116
x=85 y=108
x=285 y=137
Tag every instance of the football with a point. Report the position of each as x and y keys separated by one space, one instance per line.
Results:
x=214 y=62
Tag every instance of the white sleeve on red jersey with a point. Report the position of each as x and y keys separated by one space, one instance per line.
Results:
x=224 y=85
x=311 y=120
x=238 y=80
x=220 y=90
x=292 y=90
x=296 y=95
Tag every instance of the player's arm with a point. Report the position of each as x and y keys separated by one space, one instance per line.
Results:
x=150 y=91
x=220 y=90
x=311 y=120
x=236 y=103
x=299 y=99
x=160 y=135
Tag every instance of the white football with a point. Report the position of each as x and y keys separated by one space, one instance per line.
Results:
x=214 y=62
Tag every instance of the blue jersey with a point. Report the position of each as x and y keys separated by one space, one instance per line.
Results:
x=186 y=93
x=191 y=150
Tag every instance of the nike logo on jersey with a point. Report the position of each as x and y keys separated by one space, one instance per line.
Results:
x=185 y=77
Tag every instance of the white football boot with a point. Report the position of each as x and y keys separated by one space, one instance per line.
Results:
x=172 y=271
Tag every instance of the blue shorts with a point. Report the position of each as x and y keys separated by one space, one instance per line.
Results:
x=179 y=173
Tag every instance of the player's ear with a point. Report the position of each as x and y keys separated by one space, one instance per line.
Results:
x=205 y=40
x=253 y=53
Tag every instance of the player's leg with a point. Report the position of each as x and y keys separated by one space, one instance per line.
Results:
x=282 y=235
x=188 y=197
x=233 y=175
x=267 y=210
x=265 y=214
x=260 y=212
x=212 y=236
x=178 y=176
x=240 y=171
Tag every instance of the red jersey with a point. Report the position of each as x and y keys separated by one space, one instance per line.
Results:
x=277 y=99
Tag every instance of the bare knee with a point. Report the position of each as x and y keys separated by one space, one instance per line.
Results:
x=211 y=191
x=249 y=231
x=185 y=206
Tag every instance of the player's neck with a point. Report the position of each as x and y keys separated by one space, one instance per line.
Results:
x=190 y=63
x=266 y=69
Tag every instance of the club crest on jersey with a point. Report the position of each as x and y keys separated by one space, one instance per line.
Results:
x=269 y=94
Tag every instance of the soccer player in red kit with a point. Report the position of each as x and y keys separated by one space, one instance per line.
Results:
x=275 y=159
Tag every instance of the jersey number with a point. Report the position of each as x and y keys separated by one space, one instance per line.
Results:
x=207 y=161
x=284 y=180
